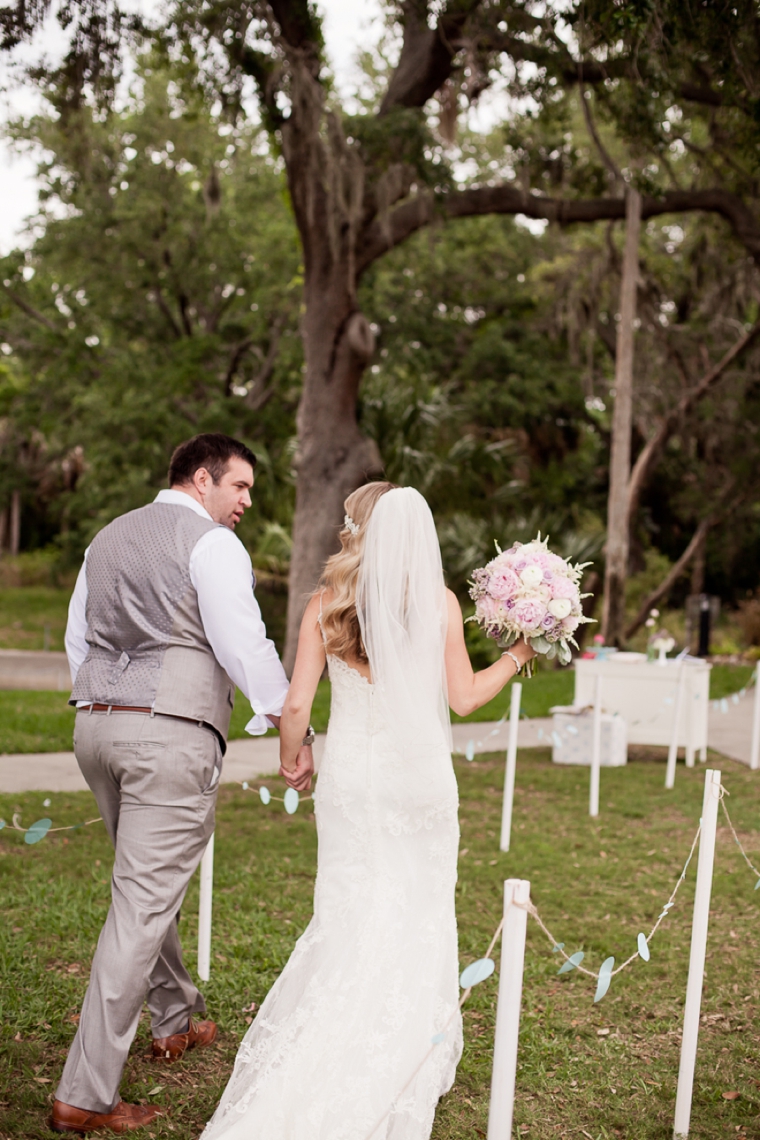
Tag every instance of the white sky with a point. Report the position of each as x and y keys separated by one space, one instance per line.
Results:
x=348 y=23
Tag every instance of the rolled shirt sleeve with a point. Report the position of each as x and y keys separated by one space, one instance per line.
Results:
x=221 y=572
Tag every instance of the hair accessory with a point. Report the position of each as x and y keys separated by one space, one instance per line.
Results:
x=350 y=525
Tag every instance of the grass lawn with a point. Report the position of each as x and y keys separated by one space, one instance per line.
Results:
x=601 y=1071
x=33 y=617
x=43 y=722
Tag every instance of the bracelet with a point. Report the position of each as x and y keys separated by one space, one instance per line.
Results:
x=508 y=653
x=310 y=737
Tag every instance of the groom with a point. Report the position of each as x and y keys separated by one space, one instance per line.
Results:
x=163 y=624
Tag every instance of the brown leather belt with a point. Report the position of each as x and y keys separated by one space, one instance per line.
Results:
x=121 y=708
x=145 y=711
x=150 y=712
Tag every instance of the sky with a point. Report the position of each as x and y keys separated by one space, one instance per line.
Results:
x=348 y=23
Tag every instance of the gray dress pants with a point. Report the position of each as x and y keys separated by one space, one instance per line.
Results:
x=155 y=780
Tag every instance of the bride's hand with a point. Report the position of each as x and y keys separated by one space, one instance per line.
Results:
x=522 y=651
x=300 y=776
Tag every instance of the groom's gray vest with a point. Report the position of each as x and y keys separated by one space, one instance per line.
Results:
x=144 y=629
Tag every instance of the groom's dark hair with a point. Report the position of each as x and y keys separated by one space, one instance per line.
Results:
x=211 y=450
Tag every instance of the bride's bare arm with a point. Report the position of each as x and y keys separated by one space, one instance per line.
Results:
x=310 y=663
x=469 y=690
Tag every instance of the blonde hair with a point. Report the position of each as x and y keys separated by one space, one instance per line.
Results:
x=340 y=624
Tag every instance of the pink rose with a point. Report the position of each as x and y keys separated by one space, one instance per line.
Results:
x=487 y=609
x=564 y=588
x=504 y=584
x=528 y=615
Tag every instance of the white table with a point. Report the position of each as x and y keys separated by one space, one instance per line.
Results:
x=645 y=694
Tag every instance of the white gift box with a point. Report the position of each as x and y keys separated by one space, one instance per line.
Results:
x=572 y=737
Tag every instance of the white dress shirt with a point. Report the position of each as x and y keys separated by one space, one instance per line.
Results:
x=222 y=575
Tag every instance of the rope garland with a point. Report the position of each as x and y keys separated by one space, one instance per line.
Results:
x=558 y=947
x=744 y=854
x=42 y=827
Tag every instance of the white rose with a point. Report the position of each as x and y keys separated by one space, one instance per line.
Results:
x=560 y=607
x=531 y=576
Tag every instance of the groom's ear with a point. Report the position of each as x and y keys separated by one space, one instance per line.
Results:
x=202 y=478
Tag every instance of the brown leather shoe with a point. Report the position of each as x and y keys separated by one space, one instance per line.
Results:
x=124 y=1118
x=172 y=1048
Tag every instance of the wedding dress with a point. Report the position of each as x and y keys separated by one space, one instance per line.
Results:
x=374 y=977
x=342 y=1047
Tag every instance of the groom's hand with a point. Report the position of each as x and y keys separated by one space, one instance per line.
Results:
x=300 y=776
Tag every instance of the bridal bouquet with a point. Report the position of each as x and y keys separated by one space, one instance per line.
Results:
x=527 y=591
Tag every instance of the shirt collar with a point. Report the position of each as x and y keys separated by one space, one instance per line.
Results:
x=182 y=499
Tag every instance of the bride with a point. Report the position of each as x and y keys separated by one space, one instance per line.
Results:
x=342 y=1047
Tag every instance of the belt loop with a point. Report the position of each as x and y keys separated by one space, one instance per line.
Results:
x=90 y=712
x=109 y=709
x=152 y=712
x=200 y=724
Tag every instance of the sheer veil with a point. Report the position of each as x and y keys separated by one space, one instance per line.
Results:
x=401 y=606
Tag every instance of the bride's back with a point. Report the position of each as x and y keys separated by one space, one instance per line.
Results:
x=382 y=613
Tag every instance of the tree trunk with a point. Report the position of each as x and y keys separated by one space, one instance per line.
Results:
x=326 y=182
x=15 y=535
x=334 y=458
x=616 y=549
x=3 y=528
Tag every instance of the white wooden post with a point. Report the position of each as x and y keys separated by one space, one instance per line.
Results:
x=754 y=752
x=670 y=771
x=697 y=955
x=690 y=719
x=508 y=1009
x=596 y=748
x=204 y=911
x=509 y=778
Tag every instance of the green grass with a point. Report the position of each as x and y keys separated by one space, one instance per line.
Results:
x=727 y=679
x=35 y=722
x=43 y=722
x=548 y=687
x=33 y=617
x=596 y=884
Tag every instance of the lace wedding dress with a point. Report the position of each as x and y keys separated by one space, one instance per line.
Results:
x=337 y=1051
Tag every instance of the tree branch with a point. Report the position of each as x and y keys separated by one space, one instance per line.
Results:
x=650 y=453
x=161 y=302
x=420 y=211
x=673 y=574
x=427 y=54
x=236 y=356
x=258 y=393
x=30 y=311
x=567 y=69
x=595 y=137
x=298 y=22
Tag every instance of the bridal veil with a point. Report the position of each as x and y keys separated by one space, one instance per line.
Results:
x=401 y=606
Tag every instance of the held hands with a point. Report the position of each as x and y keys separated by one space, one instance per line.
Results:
x=300 y=776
